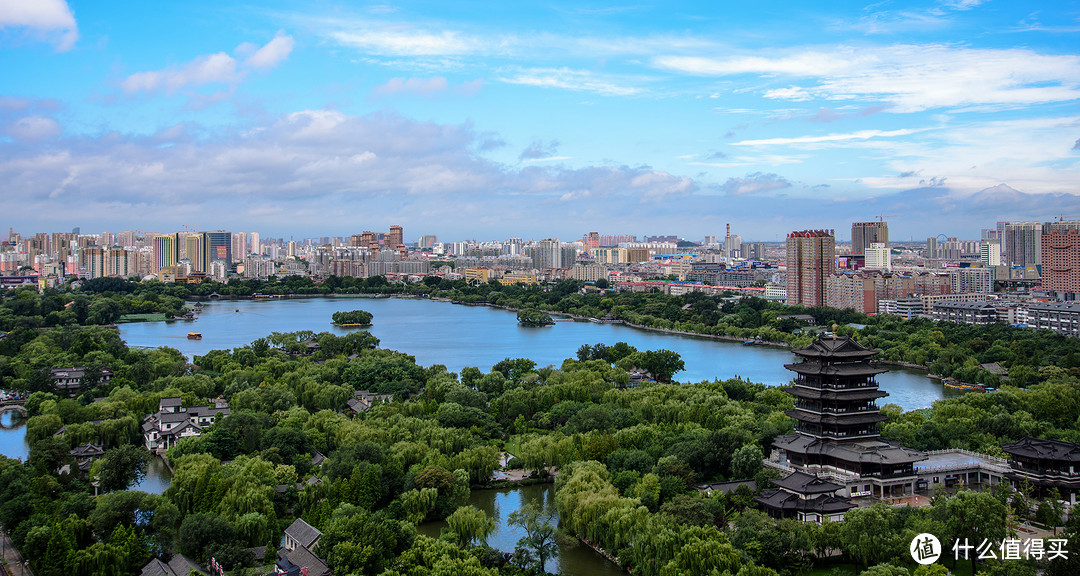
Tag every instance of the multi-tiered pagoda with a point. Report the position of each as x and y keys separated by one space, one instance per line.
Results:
x=836 y=423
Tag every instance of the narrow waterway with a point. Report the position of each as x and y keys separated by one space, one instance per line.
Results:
x=574 y=559
x=13 y=435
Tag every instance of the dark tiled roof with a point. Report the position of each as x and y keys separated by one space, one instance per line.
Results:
x=803 y=483
x=840 y=348
x=87 y=450
x=1043 y=449
x=182 y=565
x=871 y=452
x=302 y=558
x=170 y=401
x=835 y=369
x=777 y=499
x=302 y=532
x=842 y=419
x=859 y=393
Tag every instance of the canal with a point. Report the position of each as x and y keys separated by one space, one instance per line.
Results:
x=574 y=558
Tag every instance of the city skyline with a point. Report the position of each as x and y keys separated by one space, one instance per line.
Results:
x=497 y=121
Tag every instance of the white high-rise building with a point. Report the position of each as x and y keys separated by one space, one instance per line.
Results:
x=256 y=247
x=878 y=257
x=990 y=253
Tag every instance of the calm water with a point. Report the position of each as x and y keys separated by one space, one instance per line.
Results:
x=13 y=435
x=458 y=336
x=573 y=560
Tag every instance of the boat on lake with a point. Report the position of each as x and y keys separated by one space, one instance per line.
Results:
x=194 y=335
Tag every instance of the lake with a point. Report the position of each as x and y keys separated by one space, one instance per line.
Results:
x=457 y=336
x=574 y=559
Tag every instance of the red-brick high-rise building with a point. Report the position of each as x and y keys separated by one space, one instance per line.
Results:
x=811 y=258
x=1061 y=260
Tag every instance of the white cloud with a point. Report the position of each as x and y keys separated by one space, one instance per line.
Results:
x=33 y=128
x=320 y=167
x=396 y=42
x=827 y=138
x=50 y=17
x=219 y=68
x=910 y=78
x=754 y=183
x=568 y=79
x=272 y=53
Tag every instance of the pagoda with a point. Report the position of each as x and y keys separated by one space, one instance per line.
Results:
x=836 y=422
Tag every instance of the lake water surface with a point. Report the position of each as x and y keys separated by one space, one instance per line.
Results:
x=458 y=336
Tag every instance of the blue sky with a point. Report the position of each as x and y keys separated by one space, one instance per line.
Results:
x=494 y=119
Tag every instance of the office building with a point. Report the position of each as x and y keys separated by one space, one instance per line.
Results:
x=164 y=251
x=811 y=257
x=864 y=234
x=219 y=247
x=195 y=251
x=878 y=257
x=990 y=253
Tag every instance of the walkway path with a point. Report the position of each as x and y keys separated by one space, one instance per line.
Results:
x=15 y=566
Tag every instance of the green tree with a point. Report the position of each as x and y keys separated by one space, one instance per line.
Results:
x=121 y=467
x=470 y=526
x=541 y=536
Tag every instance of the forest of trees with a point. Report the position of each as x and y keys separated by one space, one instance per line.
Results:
x=628 y=457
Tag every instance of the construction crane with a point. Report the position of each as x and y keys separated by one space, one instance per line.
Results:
x=882 y=217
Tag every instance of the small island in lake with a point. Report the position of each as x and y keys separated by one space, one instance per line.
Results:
x=533 y=317
x=352 y=318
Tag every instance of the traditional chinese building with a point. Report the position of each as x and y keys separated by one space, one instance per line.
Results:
x=1045 y=465
x=805 y=497
x=836 y=423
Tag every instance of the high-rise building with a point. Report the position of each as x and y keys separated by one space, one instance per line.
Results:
x=195 y=251
x=95 y=261
x=592 y=240
x=291 y=249
x=733 y=246
x=990 y=253
x=428 y=241
x=547 y=253
x=164 y=250
x=256 y=246
x=239 y=245
x=1061 y=261
x=863 y=234
x=1023 y=241
x=878 y=257
x=397 y=238
x=811 y=256
x=218 y=247
x=116 y=262
x=932 y=248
